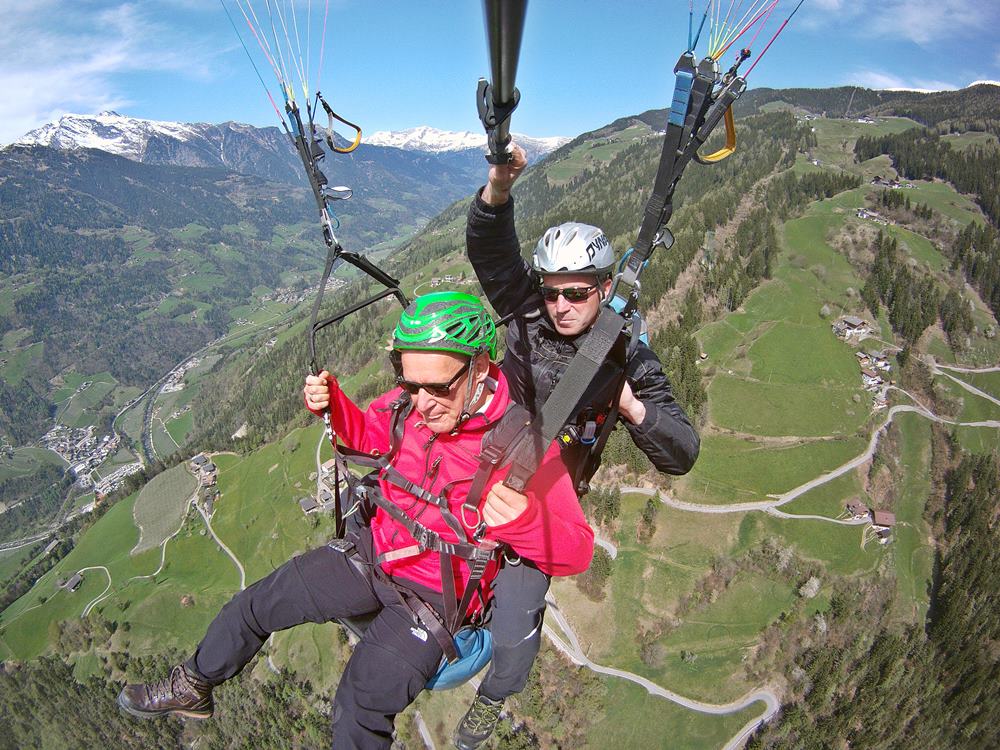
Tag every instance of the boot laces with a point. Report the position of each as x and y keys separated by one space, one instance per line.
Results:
x=483 y=716
x=175 y=685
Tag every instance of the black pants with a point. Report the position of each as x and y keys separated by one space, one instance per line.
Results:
x=389 y=667
x=516 y=626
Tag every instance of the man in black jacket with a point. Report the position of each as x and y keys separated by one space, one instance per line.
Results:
x=554 y=303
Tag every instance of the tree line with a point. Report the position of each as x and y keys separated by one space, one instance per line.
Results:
x=870 y=683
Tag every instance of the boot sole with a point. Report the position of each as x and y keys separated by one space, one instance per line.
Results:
x=139 y=713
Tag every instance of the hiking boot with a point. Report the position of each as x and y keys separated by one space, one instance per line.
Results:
x=478 y=723
x=181 y=692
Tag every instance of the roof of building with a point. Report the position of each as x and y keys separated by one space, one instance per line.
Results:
x=857 y=507
x=199 y=459
x=308 y=504
x=883 y=518
x=73 y=582
x=869 y=373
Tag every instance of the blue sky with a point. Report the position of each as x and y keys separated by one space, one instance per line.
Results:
x=392 y=64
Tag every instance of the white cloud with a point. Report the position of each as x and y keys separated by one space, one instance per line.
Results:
x=73 y=66
x=925 y=22
x=877 y=79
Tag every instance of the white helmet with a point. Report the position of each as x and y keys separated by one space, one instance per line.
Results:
x=573 y=248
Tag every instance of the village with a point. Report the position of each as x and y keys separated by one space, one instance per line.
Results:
x=175 y=378
x=80 y=448
x=874 y=364
x=207 y=474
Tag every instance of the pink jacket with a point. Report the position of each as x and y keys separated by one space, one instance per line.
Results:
x=552 y=532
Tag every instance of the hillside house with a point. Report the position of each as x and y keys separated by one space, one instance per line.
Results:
x=198 y=461
x=75 y=581
x=51 y=546
x=851 y=326
x=325 y=495
x=327 y=467
x=857 y=508
x=308 y=505
x=883 y=519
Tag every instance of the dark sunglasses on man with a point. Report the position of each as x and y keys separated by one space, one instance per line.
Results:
x=440 y=390
x=572 y=294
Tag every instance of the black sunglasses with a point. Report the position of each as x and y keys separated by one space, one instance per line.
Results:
x=572 y=294
x=441 y=390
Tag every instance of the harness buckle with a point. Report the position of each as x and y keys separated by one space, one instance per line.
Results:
x=427 y=539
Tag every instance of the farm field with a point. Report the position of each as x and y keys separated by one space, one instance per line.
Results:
x=161 y=506
x=27 y=461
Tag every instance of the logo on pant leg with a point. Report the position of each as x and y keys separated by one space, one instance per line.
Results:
x=419 y=633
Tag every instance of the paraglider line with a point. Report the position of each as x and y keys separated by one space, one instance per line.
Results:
x=252 y=63
x=780 y=29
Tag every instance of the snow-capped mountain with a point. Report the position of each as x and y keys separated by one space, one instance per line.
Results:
x=436 y=141
x=107 y=131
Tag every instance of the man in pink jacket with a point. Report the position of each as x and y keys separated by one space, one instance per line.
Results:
x=435 y=517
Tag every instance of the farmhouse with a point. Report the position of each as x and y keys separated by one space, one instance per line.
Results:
x=851 y=326
x=51 y=546
x=327 y=467
x=883 y=519
x=857 y=508
x=308 y=505
x=75 y=581
x=199 y=461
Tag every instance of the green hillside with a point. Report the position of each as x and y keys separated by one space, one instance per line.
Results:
x=746 y=574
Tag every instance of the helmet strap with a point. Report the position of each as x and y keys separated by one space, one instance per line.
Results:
x=466 y=414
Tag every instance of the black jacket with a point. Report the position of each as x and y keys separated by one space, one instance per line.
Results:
x=537 y=354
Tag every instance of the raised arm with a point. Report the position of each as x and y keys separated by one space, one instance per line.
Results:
x=491 y=239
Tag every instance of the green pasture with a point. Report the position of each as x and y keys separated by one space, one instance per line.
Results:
x=27 y=461
x=913 y=555
x=975 y=408
x=720 y=634
x=978 y=439
x=586 y=155
x=984 y=381
x=163 y=443
x=829 y=499
x=195 y=567
x=311 y=651
x=161 y=506
x=243 y=229
x=200 y=282
x=734 y=470
x=836 y=138
x=635 y=719
x=83 y=500
x=12 y=561
x=181 y=427
x=189 y=232
x=80 y=408
x=962 y=141
x=14 y=338
x=920 y=249
x=943 y=198
x=20 y=363
x=778 y=409
x=258 y=515
x=837 y=546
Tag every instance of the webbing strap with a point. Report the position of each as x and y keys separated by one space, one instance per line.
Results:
x=559 y=406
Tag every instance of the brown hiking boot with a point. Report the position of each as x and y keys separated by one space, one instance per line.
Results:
x=181 y=692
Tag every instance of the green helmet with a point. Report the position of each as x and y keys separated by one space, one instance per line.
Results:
x=446 y=321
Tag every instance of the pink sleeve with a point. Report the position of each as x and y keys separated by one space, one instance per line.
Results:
x=361 y=430
x=552 y=532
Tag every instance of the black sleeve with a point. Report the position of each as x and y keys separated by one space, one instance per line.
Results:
x=495 y=254
x=665 y=435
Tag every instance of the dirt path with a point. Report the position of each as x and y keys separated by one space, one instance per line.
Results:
x=239 y=565
x=100 y=597
x=571 y=648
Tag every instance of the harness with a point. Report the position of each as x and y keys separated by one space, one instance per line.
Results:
x=502 y=440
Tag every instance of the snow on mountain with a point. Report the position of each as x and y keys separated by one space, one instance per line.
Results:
x=107 y=131
x=436 y=141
